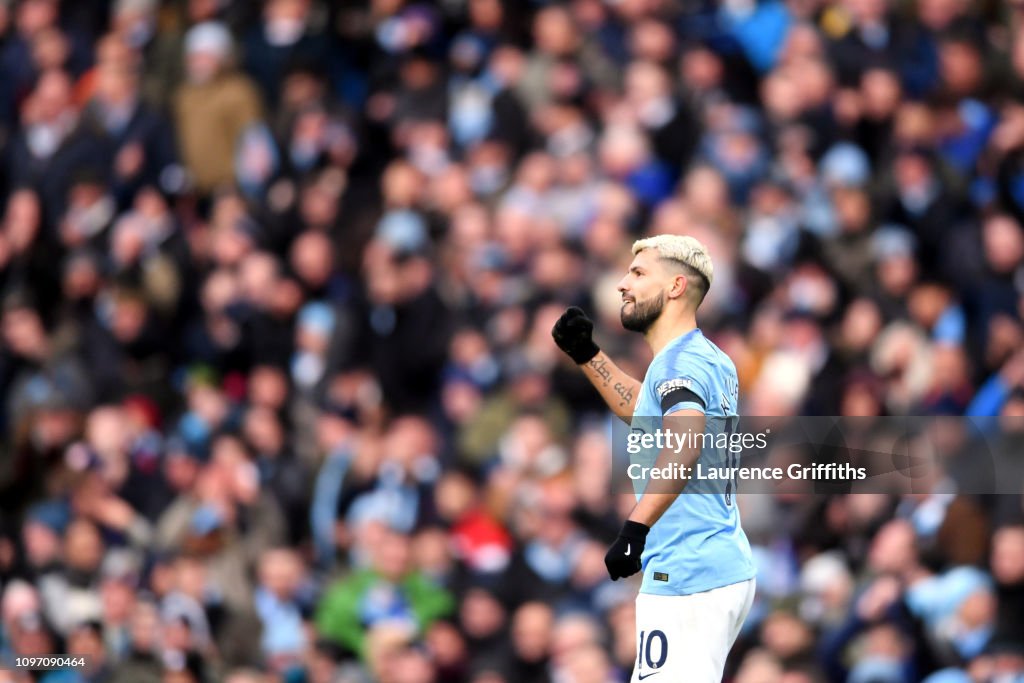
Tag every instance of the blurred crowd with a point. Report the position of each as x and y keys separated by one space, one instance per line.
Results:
x=277 y=280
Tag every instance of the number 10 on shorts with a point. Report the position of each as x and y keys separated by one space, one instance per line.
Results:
x=652 y=651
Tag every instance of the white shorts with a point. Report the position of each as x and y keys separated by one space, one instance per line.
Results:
x=686 y=638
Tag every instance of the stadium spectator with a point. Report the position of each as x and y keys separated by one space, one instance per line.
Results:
x=213 y=108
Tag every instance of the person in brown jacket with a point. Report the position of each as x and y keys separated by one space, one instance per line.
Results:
x=213 y=107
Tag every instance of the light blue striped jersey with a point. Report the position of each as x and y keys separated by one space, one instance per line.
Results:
x=698 y=544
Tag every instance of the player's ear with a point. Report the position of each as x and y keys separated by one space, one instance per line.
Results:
x=678 y=287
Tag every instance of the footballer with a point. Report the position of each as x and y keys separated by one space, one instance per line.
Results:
x=698 y=572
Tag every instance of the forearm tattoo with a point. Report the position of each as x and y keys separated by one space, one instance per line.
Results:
x=623 y=390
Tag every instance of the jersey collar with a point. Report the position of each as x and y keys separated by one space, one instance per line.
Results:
x=681 y=339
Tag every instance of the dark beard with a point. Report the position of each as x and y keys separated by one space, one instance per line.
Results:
x=644 y=314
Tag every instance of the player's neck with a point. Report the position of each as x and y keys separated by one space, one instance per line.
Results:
x=665 y=329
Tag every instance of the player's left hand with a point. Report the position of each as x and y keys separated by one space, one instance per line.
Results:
x=623 y=558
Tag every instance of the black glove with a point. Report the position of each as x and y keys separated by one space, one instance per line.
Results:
x=623 y=558
x=572 y=334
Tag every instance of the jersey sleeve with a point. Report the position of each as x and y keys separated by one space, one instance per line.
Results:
x=681 y=386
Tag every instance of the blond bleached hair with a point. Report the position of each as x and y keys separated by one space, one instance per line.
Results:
x=682 y=248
